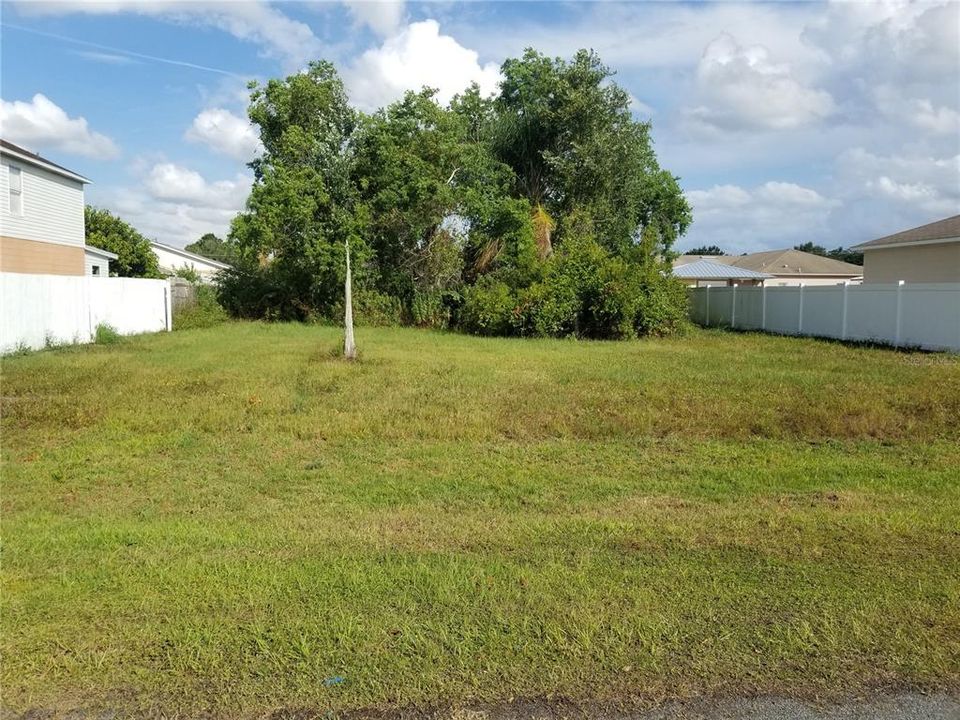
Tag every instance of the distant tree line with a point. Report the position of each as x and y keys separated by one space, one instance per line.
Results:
x=847 y=255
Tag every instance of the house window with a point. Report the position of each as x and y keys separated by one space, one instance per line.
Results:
x=15 y=181
x=95 y=270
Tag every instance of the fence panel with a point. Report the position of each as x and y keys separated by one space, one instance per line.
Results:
x=872 y=313
x=41 y=309
x=930 y=315
x=720 y=311
x=822 y=311
x=783 y=310
x=912 y=315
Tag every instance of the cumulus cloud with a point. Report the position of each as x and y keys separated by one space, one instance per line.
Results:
x=920 y=113
x=41 y=124
x=280 y=36
x=175 y=204
x=926 y=184
x=771 y=216
x=175 y=183
x=417 y=56
x=383 y=17
x=225 y=133
x=742 y=88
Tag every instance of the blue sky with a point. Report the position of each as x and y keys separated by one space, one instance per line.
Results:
x=786 y=122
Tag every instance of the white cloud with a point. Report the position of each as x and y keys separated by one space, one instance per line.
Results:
x=927 y=185
x=175 y=183
x=280 y=36
x=383 y=17
x=174 y=204
x=41 y=124
x=772 y=216
x=417 y=56
x=742 y=88
x=920 y=113
x=225 y=133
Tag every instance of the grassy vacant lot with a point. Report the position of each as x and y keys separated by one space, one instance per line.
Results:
x=227 y=520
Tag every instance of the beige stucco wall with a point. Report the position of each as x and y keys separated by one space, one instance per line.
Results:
x=933 y=263
x=42 y=258
x=796 y=280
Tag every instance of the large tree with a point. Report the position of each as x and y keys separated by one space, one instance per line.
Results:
x=301 y=210
x=447 y=206
x=566 y=130
x=108 y=232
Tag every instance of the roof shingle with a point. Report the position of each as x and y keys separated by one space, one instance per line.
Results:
x=946 y=229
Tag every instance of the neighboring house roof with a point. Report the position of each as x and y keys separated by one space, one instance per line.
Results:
x=15 y=151
x=91 y=250
x=687 y=259
x=946 y=230
x=190 y=257
x=793 y=262
x=709 y=270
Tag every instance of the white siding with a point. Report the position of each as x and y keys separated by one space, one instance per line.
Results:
x=52 y=206
x=90 y=260
x=171 y=262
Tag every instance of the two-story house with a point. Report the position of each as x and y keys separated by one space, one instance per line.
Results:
x=41 y=218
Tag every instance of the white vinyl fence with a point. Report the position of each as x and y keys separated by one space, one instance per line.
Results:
x=904 y=315
x=36 y=310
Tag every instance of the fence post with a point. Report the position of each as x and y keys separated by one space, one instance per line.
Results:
x=763 y=310
x=167 y=307
x=896 y=336
x=843 y=313
x=733 y=306
x=706 y=319
x=800 y=319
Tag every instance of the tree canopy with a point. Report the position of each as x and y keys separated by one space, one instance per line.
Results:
x=854 y=257
x=108 y=232
x=706 y=250
x=504 y=200
x=213 y=247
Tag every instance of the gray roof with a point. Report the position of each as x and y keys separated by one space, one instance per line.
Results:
x=99 y=252
x=946 y=230
x=794 y=262
x=710 y=270
x=15 y=151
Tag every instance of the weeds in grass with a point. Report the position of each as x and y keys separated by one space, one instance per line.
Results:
x=207 y=311
x=233 y=520
x=106 y=335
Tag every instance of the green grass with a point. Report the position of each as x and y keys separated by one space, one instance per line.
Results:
x=220 y=520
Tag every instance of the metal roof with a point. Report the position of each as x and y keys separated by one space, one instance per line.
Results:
x=710 y=270
x=946 y=230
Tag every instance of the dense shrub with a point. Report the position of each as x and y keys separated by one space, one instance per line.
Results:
x=106 y=335
x=432 y=309
x=371 y=308
x=205 y=313
x=662 y=307
x=270 y=292
x=489 y=308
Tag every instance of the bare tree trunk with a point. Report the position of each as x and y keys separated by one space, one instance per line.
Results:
x=349 y=348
